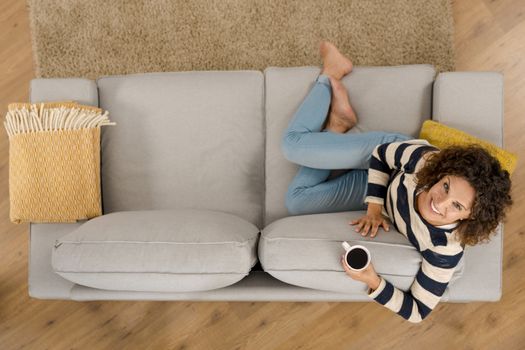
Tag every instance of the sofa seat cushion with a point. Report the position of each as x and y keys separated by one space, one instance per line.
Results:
x=179 y=250
x=306 y=251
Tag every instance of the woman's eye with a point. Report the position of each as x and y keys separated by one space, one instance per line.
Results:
x=457 y=206
x=445 y=185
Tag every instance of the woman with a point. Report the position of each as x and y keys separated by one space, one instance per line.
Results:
x=441 y=200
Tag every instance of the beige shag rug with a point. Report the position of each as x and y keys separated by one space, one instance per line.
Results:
x=79 y=38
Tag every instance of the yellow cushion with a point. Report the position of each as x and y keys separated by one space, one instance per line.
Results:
x=443 y=136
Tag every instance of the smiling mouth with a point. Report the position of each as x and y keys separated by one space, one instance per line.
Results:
x=434 y=208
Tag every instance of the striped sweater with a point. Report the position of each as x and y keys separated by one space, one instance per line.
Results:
x=392 y=183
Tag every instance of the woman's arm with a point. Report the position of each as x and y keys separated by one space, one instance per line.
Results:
x=371 y=221
x=388 y=158
x=426 y=291
x=368 y=276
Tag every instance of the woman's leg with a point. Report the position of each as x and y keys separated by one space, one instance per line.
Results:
x=305 y=144
x=311 y=191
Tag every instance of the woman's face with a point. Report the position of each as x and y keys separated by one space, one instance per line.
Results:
x=448 y=201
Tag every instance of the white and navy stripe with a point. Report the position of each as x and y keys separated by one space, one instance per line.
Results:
x=392 y=183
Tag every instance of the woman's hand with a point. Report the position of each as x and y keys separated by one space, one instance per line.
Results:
x=368 y=275
x=372 y=220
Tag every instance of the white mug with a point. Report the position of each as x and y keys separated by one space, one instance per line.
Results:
x=348 y=248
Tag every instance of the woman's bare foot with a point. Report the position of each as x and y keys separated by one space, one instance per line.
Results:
x=334 y=63
x=341 y=117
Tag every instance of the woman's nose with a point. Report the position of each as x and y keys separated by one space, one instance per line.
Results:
x=444 y=204
x=441 y=203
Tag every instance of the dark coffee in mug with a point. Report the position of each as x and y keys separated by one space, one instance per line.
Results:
x=357 y=258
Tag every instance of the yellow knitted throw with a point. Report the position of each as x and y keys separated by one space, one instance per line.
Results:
x=54 y=161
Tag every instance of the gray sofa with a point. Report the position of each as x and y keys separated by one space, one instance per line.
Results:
x=194 y=181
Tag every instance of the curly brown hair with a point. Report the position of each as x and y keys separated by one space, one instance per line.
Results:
x=484 y=173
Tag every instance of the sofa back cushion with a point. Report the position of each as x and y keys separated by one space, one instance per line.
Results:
x=184 y=140
x=394 y=99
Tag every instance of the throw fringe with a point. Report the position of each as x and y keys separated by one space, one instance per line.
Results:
x=25 y=117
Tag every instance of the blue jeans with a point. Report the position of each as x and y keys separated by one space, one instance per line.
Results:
x=319 y=151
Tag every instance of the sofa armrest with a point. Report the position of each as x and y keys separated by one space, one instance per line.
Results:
x=83 y=91
x=44 y=283
x=471 y=102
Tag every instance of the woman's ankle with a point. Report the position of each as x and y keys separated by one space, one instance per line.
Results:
x=324 y=79
x=329 y=73
x=336 y=128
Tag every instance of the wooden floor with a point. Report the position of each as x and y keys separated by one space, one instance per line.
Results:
x=489 y=36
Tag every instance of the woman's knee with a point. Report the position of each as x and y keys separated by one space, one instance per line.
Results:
x=396 y=137
x=294 y=202
x=289 y=145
